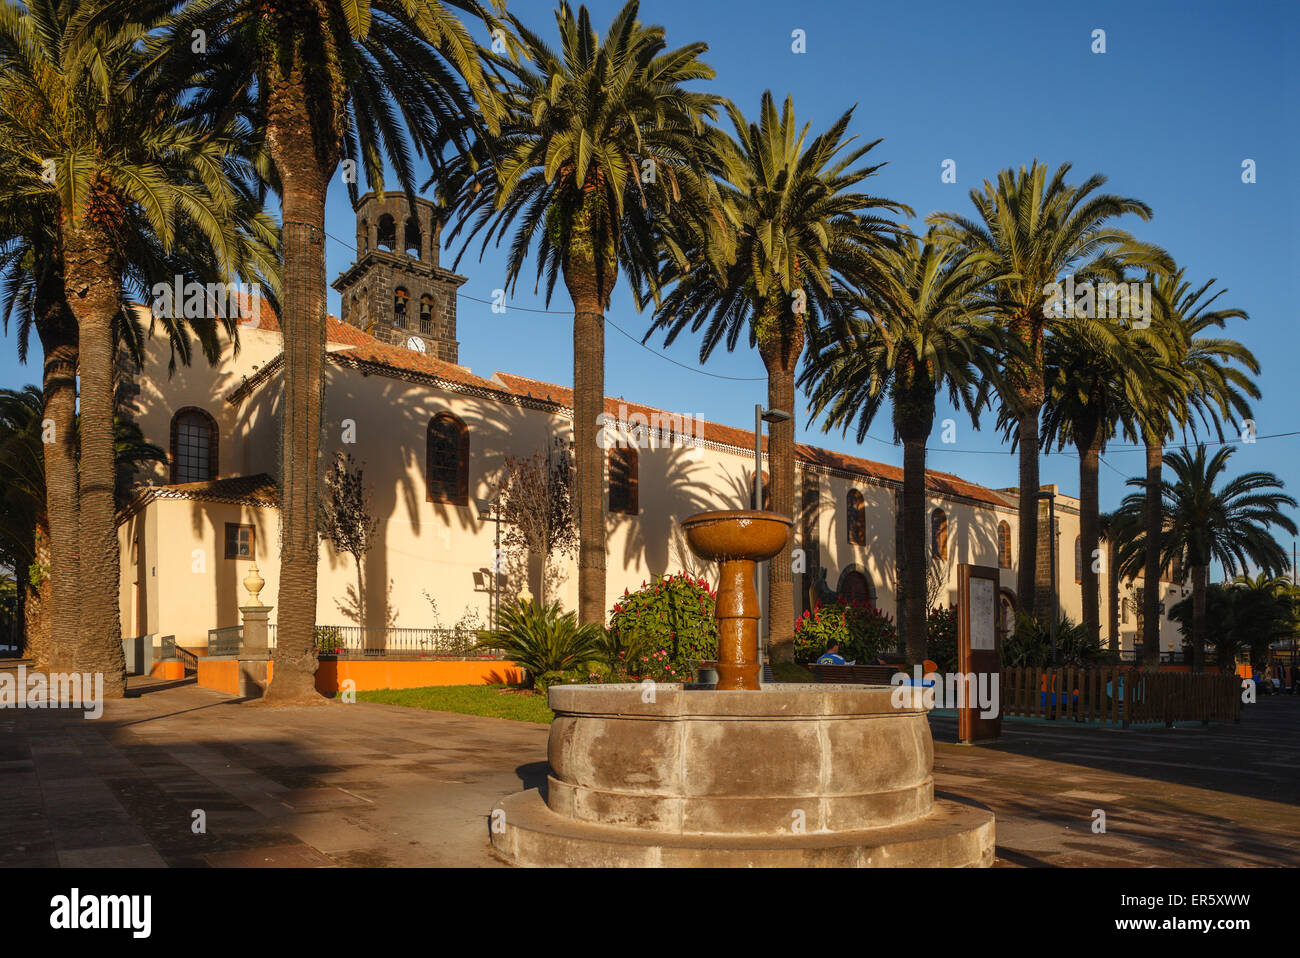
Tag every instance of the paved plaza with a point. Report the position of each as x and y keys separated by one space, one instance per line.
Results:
x=380 y=785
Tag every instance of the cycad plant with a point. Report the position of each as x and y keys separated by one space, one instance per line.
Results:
x=605 y=142
x=543 y=639
x=800 y=237
x=926 y=334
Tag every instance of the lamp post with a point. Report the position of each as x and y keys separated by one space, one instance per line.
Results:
x=1051 y=542
x=761 y=416
x=490 y=511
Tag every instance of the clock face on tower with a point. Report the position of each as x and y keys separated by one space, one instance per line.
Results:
x=416 y=343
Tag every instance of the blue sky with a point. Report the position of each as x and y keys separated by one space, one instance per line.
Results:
x=1183 y=93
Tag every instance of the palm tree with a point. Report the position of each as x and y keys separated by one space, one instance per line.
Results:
x=929 y=333
x=24 y=519
x=1200 y=381
x=1092 y=368
x=1204 y=520
x=1108 y=529
x=800 y=237
x=116 y=155
x=1040 y=230
x=322 y=82
x=604 y=144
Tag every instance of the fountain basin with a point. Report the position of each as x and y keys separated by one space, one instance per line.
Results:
x=793 y=775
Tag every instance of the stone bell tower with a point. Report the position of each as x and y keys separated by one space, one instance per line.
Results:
x=396 y=290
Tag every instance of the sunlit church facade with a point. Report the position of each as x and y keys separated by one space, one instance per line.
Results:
x=433 y=437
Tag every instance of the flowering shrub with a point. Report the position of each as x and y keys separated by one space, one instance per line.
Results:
x=861 y=629
x=663 y=630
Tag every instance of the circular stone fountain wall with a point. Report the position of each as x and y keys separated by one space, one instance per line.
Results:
x=789 y=775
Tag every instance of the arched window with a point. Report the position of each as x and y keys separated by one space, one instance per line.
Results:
x=1006 y=612
x=194 y=446
x=1004 y=545
x=387 y=238
x=447 y=460
x=1123 y=610
x=411 y=241
x=1078 y=559
x=400 y=297
x=856 y=521
x=624 y=463
x=767 y=493
x=938 y=534
x=426 y=314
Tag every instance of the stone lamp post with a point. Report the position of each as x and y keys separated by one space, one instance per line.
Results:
x=254 y=649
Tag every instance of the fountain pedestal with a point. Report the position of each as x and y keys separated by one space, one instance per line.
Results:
x=736 y=541
x=784 y=775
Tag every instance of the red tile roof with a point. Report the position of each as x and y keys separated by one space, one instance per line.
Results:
x=362 y=347
x=940 y=483
x=258 y=489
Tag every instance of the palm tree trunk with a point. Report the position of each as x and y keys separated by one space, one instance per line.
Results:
x=915 y=565
x=1112 y=590
x=781 y=358
x=1089 y=532
x=304 y=177
x=1151 y=569
x=589 y=458
x=37 y=607
x=60 y=594
x=91 y=282
x=1200 y=586
x=1027 y=574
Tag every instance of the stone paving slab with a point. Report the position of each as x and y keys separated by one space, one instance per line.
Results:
x=368 y=785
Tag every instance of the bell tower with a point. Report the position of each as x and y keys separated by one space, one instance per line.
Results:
x=396 y=290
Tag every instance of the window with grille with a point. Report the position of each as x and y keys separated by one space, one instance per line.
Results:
x=624 y=463
x=938 y=534
x=857 y=518
x=239 y=541
x=1004 y=545
x=447 y=460
x=1078 y=559
x=194 y=446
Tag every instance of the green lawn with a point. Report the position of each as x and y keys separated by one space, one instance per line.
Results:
x=494 y=701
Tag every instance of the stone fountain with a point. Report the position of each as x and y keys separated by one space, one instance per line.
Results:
x=738 y=774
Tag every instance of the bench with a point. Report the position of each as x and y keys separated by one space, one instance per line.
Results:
x=853 y=674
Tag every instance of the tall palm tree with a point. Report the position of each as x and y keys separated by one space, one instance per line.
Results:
x=800 y=237
x=324 y=81
x=1041 y=229
x=116 y=155
x=1107 y=529
x=1092 y=368
x=604 y=144
x=927 y=332
x=1205 y=519
x=1206 y=380
x=24 y=519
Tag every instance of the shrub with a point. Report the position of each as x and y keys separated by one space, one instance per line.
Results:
x=941 y=638
x=329 y=640
x=543 y=639
x=862 y=630
x=662 y=631
x=1030 y=645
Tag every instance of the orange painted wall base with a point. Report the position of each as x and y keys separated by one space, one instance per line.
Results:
x=222 y=675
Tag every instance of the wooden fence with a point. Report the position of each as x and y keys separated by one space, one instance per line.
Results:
x=1124 y=696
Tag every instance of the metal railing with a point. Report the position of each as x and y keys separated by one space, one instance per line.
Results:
x=353 y=641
